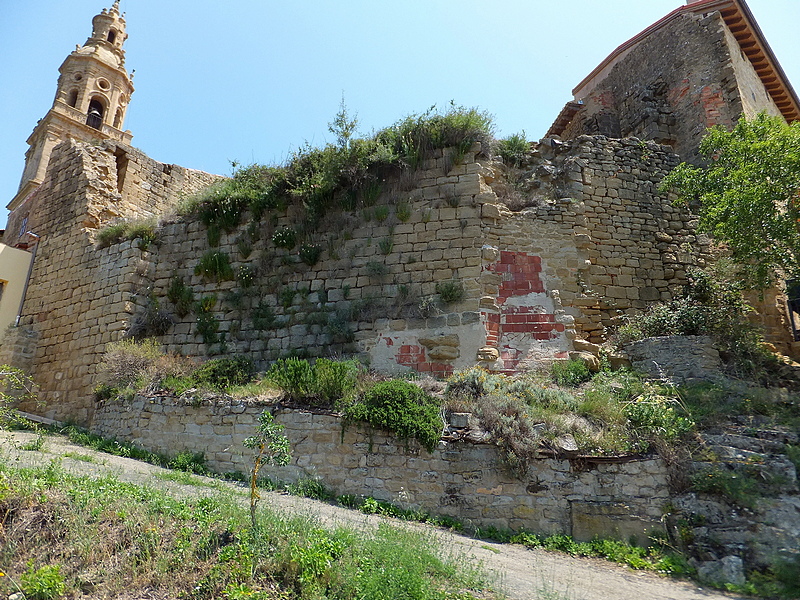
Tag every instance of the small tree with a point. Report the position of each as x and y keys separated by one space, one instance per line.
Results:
x=748 y=195
x=15 y=386
x=272 y=448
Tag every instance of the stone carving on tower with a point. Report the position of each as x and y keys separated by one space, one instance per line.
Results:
x=92 y=97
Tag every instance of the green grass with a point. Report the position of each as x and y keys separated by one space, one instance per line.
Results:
x=114 y=537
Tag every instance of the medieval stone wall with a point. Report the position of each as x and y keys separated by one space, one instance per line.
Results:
x=461 y=480
x=593 y=240
x=78 y=298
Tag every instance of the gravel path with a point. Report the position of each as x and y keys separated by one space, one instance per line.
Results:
x=523 y=574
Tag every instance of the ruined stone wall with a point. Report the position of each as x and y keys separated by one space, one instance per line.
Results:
x=589 y=239
x=464 y=481
x=78 y=298
x=671 y=86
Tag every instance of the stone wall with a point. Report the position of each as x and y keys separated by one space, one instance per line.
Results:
x=590 y=239
x=461 y=480
x=79 y=298
x=673 y=84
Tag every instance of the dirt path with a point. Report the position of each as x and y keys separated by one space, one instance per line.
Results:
x=524 y=574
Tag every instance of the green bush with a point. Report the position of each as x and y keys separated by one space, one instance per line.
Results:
x=514 y=149
x=450 y=291
x=333 y=380
x=221 y=373
x=401 y=407
x=44 y=583
x=294 y=376
x=215 y=266
x=310 y=253
x=570 y=373
x=473 y=383
x=286 y=237
x=181 y=296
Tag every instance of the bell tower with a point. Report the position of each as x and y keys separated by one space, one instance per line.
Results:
x=91 y=99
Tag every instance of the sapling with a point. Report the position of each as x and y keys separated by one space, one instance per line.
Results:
x=272 y=448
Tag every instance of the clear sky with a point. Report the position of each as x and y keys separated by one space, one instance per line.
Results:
x=250 y=80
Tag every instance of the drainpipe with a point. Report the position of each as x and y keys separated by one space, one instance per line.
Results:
x=28 y=278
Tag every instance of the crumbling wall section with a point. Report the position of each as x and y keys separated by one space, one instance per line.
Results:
x=79 y=297
x=670 y=87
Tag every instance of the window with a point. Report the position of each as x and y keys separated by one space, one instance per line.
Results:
x=73 y=98
x=94 y=117
x=112 y=35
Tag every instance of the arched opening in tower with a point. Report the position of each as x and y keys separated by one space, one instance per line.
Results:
x=112 y=35
x=94 y=118
x=72 y=100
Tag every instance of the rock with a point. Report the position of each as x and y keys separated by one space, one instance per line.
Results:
x=566 y=443
x=459 y=420
x=590 y=360
x=444 y=353
x=487 y=353
x=618 y=361
x=440 y=340
x=726 y=570
x=584 y=346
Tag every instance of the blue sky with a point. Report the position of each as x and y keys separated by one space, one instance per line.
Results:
x=250 y=80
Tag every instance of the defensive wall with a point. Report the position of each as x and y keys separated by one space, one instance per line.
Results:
x=589 y=240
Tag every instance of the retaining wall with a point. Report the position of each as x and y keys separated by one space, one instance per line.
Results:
x=461 y=480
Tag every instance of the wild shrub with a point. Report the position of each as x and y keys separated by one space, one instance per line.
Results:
x=144 y=231
x=507 y=420
x=711 y=304
x=15 y=386
x=285 y=237
x=335 y=379
x=450 y=291
x=294 y=376
x=128 y=362
x=215 y=266
x=309 y=253
x=402 y=408
x=514 y=149
x=221 y=373
x=570 y=373
x=474 y=382
x=181 y=296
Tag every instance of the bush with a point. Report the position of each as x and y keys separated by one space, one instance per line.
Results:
x=450 y=291
x=128 y=362
x=15 y=386
x=514 y=149
x=570 y=373
x=215 y=266
x=294 y=376
x=401 y=407
x=221 y=373
x=181 y=296
x=44 y=583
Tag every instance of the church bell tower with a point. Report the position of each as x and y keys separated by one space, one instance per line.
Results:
x=91 y=99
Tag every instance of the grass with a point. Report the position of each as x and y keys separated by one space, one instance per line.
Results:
x=76 y=535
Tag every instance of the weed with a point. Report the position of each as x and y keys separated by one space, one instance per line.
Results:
x=263 y=316
x=44 y=583
x=285 y=238
x=514 y=149
x=381 y=213
x=310 y=253
x=222 y=373
x=143 y=231
x=570 y=373
x=376 y=269
x=403 y=212
x=385 y=245
x=450 y=291
x=401 y=407
x=181 y=295
x=246 y=276
x=214 y=266
x=310 y=488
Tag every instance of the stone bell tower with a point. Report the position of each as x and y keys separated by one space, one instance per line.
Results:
x=91 y=99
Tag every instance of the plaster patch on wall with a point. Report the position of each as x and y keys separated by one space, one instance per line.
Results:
x=524 y=327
